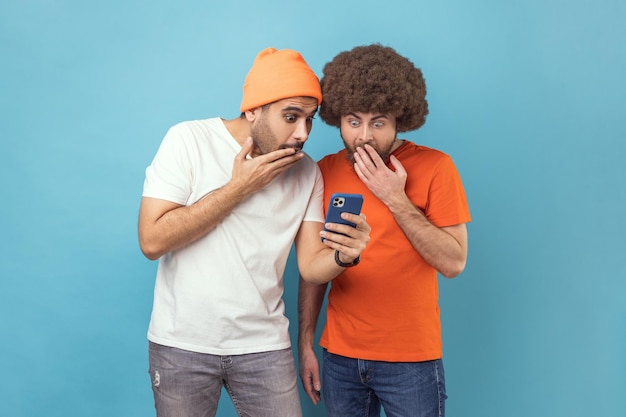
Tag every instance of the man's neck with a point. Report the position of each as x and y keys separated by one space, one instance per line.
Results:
x=238 y=128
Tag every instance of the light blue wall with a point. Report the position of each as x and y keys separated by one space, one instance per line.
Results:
x=528 y=98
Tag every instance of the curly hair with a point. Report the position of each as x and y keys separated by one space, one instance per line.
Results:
x=374 y=79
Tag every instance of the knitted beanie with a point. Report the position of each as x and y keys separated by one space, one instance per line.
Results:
x=276 y=75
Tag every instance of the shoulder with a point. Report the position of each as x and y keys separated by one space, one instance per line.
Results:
x=422 y=156
x=191 y=127
x=332 y=160
x=191 y=132
x=409 y=148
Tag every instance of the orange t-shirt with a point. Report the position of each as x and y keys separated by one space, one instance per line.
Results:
x=386 y=308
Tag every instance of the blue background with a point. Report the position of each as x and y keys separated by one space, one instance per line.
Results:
x=528 y=98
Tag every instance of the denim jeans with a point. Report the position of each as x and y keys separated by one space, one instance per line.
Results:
x=356 y=387
x=189 y=384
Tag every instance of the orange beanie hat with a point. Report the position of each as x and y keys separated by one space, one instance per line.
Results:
x=276 y=75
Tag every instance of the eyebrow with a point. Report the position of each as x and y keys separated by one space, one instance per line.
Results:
x=380 y=116
x=296 y=109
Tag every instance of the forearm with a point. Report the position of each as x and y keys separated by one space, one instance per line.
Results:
x=443 y=250
x=183 y=225
x=321 y=269
x=310 y=299
x=316 y=260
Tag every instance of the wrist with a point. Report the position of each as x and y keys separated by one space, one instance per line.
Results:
x=342 y=264
x=399 y=203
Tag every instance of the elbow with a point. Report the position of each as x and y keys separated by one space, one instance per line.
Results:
x=453 y=270
x=149 y=249
x=312 y=279
x=153 y=255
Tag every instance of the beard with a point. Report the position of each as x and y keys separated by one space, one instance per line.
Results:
x=384 y=153
x=262 y=135
x=265 y=140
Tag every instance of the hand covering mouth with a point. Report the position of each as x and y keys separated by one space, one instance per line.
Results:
x=297 y=146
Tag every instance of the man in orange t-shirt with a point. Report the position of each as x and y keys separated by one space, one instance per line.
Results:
x=382 y=338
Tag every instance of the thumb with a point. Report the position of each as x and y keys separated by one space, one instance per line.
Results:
x=316 y=382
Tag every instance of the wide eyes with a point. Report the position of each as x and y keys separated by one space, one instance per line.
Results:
x=292 y=118
x=376 y=124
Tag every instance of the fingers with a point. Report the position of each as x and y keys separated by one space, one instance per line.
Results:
x=359 y=219
x=279 y=160
x=351 y=241
x=312 y=387
x=282 y=154
x=368 y=159
x=382 y=180
x=256 y=172
x=342 y=233
x=278 y=155
x=310 y=376
x=397 y=165
x=362 y=163
x=375 y=157
x=360 y=173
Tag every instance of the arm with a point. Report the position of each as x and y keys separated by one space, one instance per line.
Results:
x=310 y=298
x=165 y=226
x=316 y=260
x=444 y=248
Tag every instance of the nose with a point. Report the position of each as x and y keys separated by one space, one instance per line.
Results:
x=302 y=131
x=365 y=134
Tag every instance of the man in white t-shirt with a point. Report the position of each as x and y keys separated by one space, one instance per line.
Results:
x=223 y=202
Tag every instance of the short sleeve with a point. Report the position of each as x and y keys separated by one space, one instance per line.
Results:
x=169 y=176
x=447 y=202
x=315 y=209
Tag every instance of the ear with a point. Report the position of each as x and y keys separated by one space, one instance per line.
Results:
x=253 y=114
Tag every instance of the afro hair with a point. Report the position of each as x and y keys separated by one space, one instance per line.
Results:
x=374 y=79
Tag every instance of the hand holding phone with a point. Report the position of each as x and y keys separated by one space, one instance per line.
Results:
x=341 y=202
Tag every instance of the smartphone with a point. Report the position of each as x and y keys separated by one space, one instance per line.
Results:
x=341 y=202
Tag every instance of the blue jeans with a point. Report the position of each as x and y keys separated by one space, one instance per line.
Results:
x=189 y=384
x=356 y=387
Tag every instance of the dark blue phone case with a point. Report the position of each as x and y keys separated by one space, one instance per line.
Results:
x=341 y=202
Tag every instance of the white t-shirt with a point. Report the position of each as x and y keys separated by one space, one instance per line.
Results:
x=222 y=294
